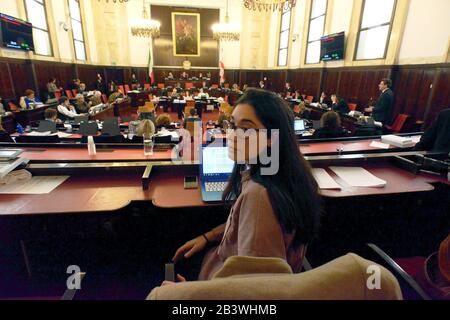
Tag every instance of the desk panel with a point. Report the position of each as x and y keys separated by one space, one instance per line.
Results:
x=81 y=154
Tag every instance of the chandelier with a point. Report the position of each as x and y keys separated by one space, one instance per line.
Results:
x=269 y=5
x=115 y=1
x=226 y=31
x=145 y=27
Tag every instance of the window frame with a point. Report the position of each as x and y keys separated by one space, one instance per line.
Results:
x=82 y=31
x=309 y=29
x=280 y=31
x=44 y=5
x=360 y=29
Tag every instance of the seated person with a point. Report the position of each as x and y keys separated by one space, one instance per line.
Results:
x=29 y=99
x=202 y=94
x=330 y=127
x=96 y=99
x=297 y=96
x=184 y=76
x=339 y=105
x=204 y=86
x=178 y=87
x=82 y=88
x=52 y=116
x=324 y=99
x=4 y=109
x=66 y=109
x=163 y=120
x=192 y=117
x=145 y=127
x=235 y=88
x=437 y=137
x=302 y=113
x=224 y=115
x=4 y=136
x=114 y=96
x=81 y=105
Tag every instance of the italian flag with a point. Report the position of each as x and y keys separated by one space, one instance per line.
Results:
x=222 y=72
x=150 y=66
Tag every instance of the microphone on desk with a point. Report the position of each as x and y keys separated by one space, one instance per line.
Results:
x=429 y=164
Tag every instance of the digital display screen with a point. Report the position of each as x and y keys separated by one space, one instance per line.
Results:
x=332 y=47
x=216 y=160
x=16 y=33
x=299 y=125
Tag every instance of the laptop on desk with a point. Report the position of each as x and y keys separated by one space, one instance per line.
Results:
x=215 y=170
x=300 y=126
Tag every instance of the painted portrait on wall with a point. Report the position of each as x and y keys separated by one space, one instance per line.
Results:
x=186 y=34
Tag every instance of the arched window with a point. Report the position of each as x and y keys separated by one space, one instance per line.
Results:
x=37 y=16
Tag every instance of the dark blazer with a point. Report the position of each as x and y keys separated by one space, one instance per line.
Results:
x=340 y=107
x=382 y=111
x=328 y=133
x=437 y=137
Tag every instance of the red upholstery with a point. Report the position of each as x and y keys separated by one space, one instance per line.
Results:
x=69 y=94
x=74 y=92
x=215 y=86
x=161 y=85
x=57 y=94
x=188 y=85
x=398 y=124
x=310 y=99
x=121 y=89
x=352 y=106
x=146 y=86
x=104 y=98
x=13 y=107
x=127 y=88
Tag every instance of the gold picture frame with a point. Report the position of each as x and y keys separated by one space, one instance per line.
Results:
x=186 y=34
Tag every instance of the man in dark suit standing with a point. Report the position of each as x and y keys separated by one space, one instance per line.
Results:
x=382 y=111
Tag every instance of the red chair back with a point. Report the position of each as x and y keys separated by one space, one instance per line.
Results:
x=146 y=86
x=104 y=98
x=122 y=91
x=215 y=86
x=69 y=94
x=188 y=85
x=309 y=99
x=74 y=92
x=352 y=106
x=127 y=88
x=399 y=122
x=13 y=107
x=57 y=94
x=161 y=85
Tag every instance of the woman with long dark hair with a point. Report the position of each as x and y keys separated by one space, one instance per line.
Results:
x=272 y=215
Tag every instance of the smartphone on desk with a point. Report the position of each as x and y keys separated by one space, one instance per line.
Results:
x=190 y=182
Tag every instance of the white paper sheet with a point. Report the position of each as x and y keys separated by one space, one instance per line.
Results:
x=64 y=134
x=324 y=180
x=358 y=177
x=37 y=185
x=381 y=145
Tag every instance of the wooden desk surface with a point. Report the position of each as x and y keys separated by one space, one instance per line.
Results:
x=347 y=146
x=106 y=193
x=81 y=154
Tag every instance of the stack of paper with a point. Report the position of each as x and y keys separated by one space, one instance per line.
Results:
x=376 y=144
x=324 y=180
x=358 y=177
x=401 y=142
x=37 y=185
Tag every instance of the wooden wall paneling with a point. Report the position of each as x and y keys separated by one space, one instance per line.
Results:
x=22 y=77
x=6 y=83
x=88 y=74
x=45 y=70
x=441 y=95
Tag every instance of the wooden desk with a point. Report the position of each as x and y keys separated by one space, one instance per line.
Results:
x=25 y=117
x=347 y=146
x=104 y=114
x=81 y=154
x=9 y=124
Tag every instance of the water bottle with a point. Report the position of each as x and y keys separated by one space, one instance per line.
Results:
x=148 y=145
x=19 y=128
